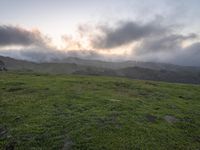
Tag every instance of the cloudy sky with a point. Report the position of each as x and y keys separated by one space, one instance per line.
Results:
x=143 y=30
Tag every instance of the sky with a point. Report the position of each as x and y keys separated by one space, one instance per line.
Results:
x=142 y=30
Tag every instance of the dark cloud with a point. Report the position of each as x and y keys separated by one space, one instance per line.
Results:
x=169 y=49
x=12 y=35
x=189 y=56
x=125 y=33
x=164 y=43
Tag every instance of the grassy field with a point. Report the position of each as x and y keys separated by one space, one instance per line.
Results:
x=44 y=112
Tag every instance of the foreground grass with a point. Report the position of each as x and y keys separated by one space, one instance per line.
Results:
x=44 y=112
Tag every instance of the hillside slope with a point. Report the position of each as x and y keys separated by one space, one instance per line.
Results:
x=139 y=70
x=127 y=64
x=52 y=112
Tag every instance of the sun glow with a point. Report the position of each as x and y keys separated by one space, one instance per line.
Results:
x=186 y=43
x=57 y=43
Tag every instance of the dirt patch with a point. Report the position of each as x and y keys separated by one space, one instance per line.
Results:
x=170 y=119
x=151 y=118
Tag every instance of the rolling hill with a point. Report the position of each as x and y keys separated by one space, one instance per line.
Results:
x=129 y=69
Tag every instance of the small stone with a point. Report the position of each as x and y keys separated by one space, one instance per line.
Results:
x=171 y=119
x=151 y=118
x=3 y=131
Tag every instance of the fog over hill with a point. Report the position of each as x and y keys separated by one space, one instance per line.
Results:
x=129 y=69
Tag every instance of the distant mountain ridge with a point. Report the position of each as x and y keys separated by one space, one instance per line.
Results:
x=125 y=64
x=129 y=69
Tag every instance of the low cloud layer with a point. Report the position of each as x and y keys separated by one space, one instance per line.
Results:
x=52 y=55
x=164 y=43
x=157 y=43
x=187 y=56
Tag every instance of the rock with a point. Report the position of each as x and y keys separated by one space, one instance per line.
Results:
x=2 y=66
x=171 y=119
x=151 y=118
x=3 y=131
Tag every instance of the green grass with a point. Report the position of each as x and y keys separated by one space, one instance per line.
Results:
x=44 y=112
